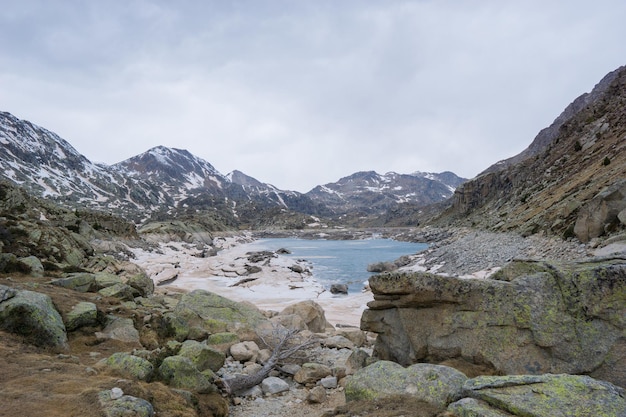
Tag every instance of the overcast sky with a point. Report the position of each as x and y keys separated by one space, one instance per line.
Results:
x=301 y=93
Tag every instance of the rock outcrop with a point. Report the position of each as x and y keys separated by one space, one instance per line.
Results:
x=529 y=318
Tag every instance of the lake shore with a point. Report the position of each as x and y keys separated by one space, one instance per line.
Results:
x=271 y=283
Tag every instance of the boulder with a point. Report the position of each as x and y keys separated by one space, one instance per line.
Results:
x=121 y=291
x=124 y=406
x=120 y=329
x=435 y=384
x=540 y=396
x=274 y=385
x=32 y=315
x=203 y=356
x=310 y=373
x=222 y=341
x=105 y=279
x=338 y=342
x=80 y=281
x=601 y=213
x=179 y=372
x=311 y=313
x=317 y=395
x=129 y=366
x=339 y=289
x=35 y=265
x=214 y=314
x=528 y=318
x=247 y=351
x=83 y=314
x=142 y=284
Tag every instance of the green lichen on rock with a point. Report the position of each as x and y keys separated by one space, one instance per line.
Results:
x=83 y=314
x=434 y=384
x=124 y=406
x=180 y=372
x=33 y=316
x=129 y=366
x=215 y=313
x=80 y=281
x=548 y=395
x=203 y=356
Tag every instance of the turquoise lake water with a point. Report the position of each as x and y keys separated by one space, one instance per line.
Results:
x=342 y=261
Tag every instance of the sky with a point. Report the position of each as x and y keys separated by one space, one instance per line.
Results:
x=301 y=93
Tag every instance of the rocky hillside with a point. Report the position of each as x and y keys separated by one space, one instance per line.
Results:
x=569 y=182
x=164 y=183
x=369 y=193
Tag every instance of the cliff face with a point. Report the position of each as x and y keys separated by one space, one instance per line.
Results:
x=553 y=185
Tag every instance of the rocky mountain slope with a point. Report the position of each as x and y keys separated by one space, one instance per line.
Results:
x=367 y=193
x=164 y=183
x=569 y=182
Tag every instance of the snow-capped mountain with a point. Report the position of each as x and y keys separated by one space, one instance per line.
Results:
x=166 y=182
x=369 y=192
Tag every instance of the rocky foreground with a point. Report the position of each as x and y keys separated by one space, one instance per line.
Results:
x=437 y=339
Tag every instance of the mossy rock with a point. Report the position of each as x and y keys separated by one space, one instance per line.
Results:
x=222 y=341
x=79 y=281
x=129 y=366
x=105 y=279
x=548 y=395
x=120 y=291
x=202 y=355
x=83 y=314
x=180 y=372
x=217 y=314
x=435 y=384
x=33 y=316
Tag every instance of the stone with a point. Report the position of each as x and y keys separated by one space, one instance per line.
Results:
x=290 y=321
x=105 y=279
x=310 y=373
x=245 y=351
x=541 y=396
x=355 y=335
x=179 y=372
x=129 y=366
x=203 y=356
x=83 y=314
x=121 y=291
x=216 y=314
x=601 y=213
x=338 y=342
x=81 y=282
x=120 y=329
x=311 y=313
x=142 y=284
x=330 y=382
x=317 y=395
x=435 y=384
x=32 y=315
x=124 y=406
x=339 y=289
x=35 y=265
x=527 y=318
x=274 y=385
x=222 y=341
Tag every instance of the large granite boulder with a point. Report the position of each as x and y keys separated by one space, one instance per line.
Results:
x=435 y=384
x=529 y=318
x=310 y=312
x=602 y=213
x=129 y=366
x=180 y=372
x=32 y=315
x=539 y=396
x=83 y=314
x=212 y=313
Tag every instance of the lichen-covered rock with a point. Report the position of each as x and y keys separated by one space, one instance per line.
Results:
x=122 y=291
x=310 y=373
x=180 y=372
x=222 y=341
x=83 y=314
x=35 y=265
x=529 y=318
x=129 y=366
x=214 y=313
x=541 y=396
x=105 y=279
x=80 y=281
x=33 y=316
x=142 y=283
x=124 y=406
x=435 y=384
x=203 y=356
x=311 y=313
x=120 y=329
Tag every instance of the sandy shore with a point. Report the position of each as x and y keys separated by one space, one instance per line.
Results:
x=178 y=266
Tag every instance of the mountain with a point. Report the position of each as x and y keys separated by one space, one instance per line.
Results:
x=167 y=183
x=570 y=182
x=368 y=193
